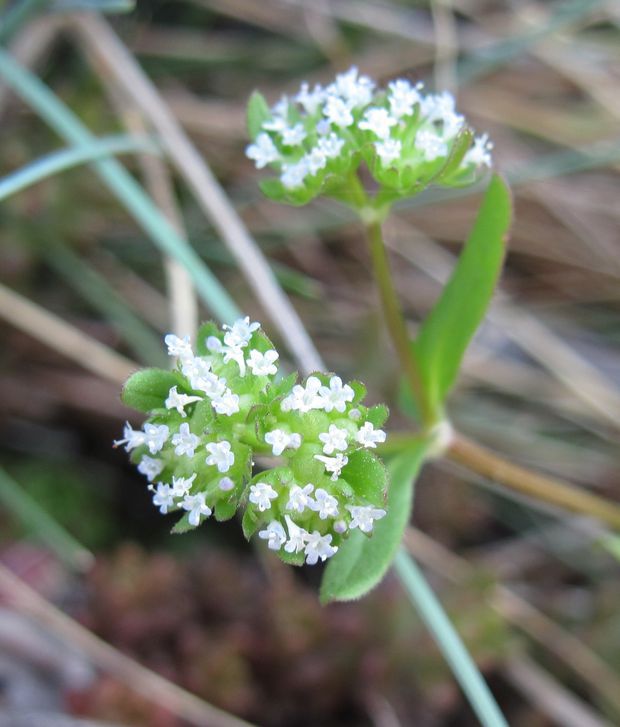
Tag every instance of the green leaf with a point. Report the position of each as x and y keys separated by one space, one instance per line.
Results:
x=183 y=525
x=377 y=415
x=206 y=329
x=362 y=561
x=249 y=523
x=148 y=389
x=460 y=147
x=225 y=510
x=451 y=324
x=258 y=113
x=367 y=476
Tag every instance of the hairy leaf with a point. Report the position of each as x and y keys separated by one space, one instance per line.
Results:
x=362 y=561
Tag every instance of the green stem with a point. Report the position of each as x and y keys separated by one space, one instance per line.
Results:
x=396 y=322
x=463 y=666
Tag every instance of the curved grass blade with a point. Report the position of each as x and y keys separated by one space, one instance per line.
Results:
x=67 y=125
x=463 y=666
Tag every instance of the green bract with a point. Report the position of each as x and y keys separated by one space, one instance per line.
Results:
x=317 y=140
x=224 y=407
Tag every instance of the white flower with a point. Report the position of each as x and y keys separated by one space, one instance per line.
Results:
x=235 y=353
x=330 y=145
x=179 y=401
x=333 y=464
x=280 y=440
x=296 y=537
x=184 y=441
x=293 y=135
x=368 y=436
x=155 y=436
x=355 y=414
x=182 y=485
x=180 y=347
x=378 y=121
x=274 y=534
x=220 y=455
x=325 y=504
x=293 y=175
x=315 y=160
x=227 y=403
x=240 y=333
x=132 y=438
x=430 y=144
x=323 y=127
x=363 y=517
x=318 y=546
x=388 y=150
x=480 y=153
x=150 y=467
x=310 y=100
x=214 y=344
x=335 y=438
x=263 y=151
x=163 y=497
x=226 y=484
x=279 y=116
x=212 y=385
x=337 y=112
x=304 y=398
x=355 y=91
x=299 y=498
x=438 y=106
x=335 y=396
x=196 y=369
x=340 y=527
x=403 y=97
x=263 y=364
x=452 y=124
x=261 y=495
x=197 y=508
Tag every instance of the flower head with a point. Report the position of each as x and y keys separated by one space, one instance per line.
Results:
x=316 y=140
x=198 y=449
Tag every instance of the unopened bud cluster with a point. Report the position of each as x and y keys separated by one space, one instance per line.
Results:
x=317 y=139
x=224 y=405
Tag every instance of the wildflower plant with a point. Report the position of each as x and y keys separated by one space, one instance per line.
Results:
x=224 y=406
x=317 y=140
x=227 y=432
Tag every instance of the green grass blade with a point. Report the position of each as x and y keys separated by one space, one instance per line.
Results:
x=11 y=21
x=450 y=326
x=362 y=561
x=64 y=159
x=67 y=125
x=43 y=526
x=463 y=666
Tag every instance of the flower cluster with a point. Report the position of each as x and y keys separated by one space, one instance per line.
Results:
x=226 y=404
x=317 y=139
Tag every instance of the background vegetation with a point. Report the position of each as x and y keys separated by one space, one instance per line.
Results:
x=88 y=287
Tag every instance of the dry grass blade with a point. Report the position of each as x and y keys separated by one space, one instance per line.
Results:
x=562 y=706
x=135 y=676
x=32 y=44
x=183 y=303
x=573 y=653
x=114 y=59
x=63 y=337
